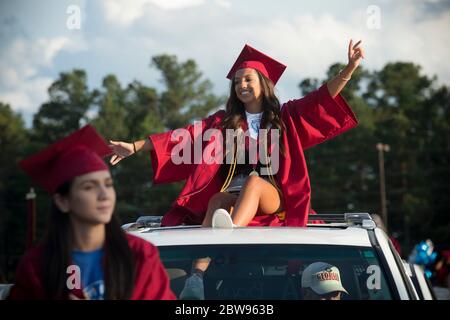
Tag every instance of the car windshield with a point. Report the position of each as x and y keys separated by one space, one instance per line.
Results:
x=245 y=271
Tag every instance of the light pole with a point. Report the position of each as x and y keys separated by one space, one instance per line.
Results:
x=31 y=217
x=381 y=149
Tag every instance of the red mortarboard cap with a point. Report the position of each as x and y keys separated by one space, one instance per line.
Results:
x=77 y=154
x=252 y=58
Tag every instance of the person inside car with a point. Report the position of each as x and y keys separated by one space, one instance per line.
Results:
x=322 y=281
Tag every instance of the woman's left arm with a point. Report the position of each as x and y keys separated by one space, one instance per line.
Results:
x=355 y=54
x=323 y=114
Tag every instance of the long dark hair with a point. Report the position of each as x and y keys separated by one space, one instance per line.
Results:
x=235 y=109
x=119 y=267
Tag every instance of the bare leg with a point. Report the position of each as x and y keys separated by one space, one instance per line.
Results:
x=257 y=195
x=222 y=200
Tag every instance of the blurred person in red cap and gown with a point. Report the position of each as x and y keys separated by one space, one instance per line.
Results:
x=215 y=189
x=86 y=254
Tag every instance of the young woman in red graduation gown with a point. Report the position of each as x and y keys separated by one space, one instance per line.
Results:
x=303 y=123
x=83 y=226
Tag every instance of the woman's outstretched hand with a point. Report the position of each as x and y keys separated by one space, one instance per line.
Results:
x=121 y=151
x=355 y=54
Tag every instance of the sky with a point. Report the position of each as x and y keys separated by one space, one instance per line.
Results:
x=40 y=39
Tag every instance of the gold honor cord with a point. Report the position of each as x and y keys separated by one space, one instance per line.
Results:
x=230 y=171
x=281 y=215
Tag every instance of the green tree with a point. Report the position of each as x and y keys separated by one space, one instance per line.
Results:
x=13 y=186
x=67 y=110
x=110 y=120
x=142 y=106
x=187 y=97
x=399 y=92
x=435 y=131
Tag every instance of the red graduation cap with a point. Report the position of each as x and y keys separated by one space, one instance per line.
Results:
x=79 y=153
x=252 y=58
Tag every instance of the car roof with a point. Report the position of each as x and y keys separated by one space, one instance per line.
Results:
x=179 y=236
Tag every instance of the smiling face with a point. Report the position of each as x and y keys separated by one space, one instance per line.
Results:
x=247 y=86
x=91 y=199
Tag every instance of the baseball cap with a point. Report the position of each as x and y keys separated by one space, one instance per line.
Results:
x=322 y=278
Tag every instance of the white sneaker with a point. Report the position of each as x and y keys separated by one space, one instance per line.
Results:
x=222 y=219
x=193 y=288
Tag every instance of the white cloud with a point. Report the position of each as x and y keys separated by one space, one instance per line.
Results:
x=408 y=33
x=223 y=3
x=308 y=43
x=15 y=98
x=177 y=4
x=21 y=84
x=125 y=13
x=46 y=49
x=8 y=76
x=25 y=96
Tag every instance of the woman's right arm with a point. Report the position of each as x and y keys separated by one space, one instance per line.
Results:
x=144 y=145
x=122 y=150
x=161 y=147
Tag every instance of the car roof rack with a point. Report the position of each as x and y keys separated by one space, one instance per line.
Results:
x=144 y=222
x=314 y=220
x=349 y=218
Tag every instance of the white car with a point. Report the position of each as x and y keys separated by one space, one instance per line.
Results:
x=267 y=262
x=421 y=283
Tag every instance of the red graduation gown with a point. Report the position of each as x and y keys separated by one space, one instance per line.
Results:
x=151 y=280
x=313 y=119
